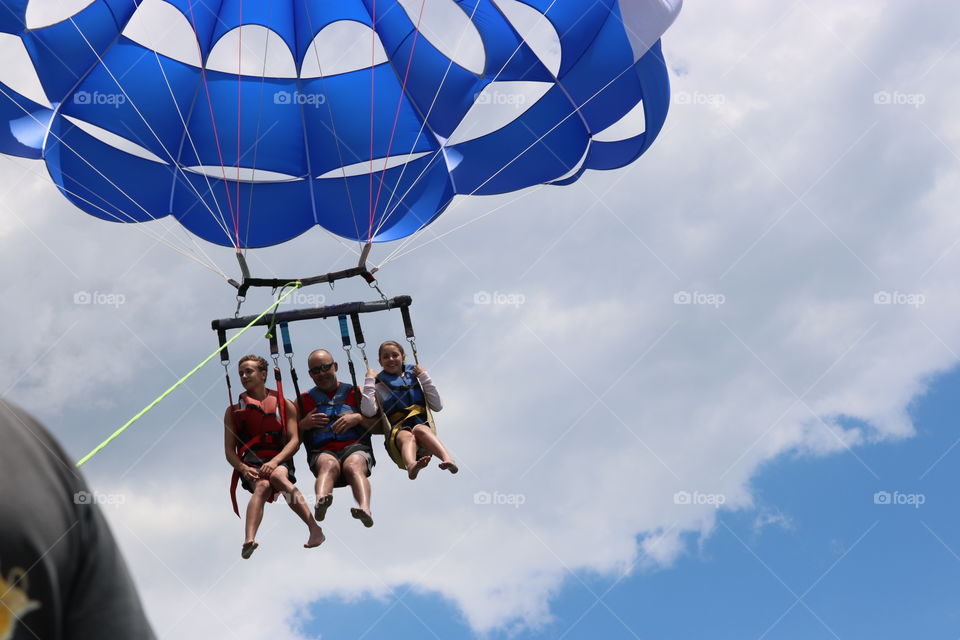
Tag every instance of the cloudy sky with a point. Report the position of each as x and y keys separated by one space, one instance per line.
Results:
x=717 y=400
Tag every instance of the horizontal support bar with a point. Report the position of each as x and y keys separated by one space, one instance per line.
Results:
x=399 y=302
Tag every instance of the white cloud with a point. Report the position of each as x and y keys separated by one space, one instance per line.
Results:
x=597 y=399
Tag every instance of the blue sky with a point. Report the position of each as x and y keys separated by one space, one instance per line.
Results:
x=835 y=564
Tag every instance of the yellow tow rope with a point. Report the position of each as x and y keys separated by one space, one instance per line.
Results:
x=115 y=434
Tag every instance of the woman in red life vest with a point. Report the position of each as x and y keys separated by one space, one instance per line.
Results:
x=260 y=448
x=404 y=392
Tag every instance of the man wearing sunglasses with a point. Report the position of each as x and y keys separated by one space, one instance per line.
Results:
x=336 y=437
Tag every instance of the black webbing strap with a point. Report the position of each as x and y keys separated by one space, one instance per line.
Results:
x=345 y=338
x=275 y=355
x=408 y=330
x=358 y=335
x=274 y=347
x=225 y=361
x=407 y=323
x=357 y=329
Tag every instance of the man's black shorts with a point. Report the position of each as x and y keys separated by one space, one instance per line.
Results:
x=254 y=461
x=341 y=456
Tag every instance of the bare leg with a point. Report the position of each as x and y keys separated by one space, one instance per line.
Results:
x=408 y=449
x=280 y=481
x=427 y=439
x=261 y=490
x=328 y=470
x=355 y=471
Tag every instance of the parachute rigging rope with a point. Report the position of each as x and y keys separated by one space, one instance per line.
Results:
x=426 y=118
x=133 y=104
x=179 y=382
x=158 y=238
x=234 y=214
x=393 y=131
x=387 y=210
x=409 y=240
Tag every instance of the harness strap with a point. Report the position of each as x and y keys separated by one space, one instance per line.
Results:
x=345 y=338
x=288 y=351
x=400 y=417
x=281 y=400
x=225 y=361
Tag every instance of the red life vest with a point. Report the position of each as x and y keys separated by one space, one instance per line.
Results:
x=258 y=426
x=260 y=431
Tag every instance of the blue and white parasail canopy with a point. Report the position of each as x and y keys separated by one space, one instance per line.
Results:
x=250 y=121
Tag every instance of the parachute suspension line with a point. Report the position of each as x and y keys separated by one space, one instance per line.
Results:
x=396 y=119
x=158 y=238
x=182 y=380
x=256 y=139
x=396 y=256
x=288 y=352
x=373 y=95
x=423 y=125
x=390 y=212
x=576 y=111
x=216 y=135
x=336 y=139
x=239 y=104
x=218 y=216
x=345 y=338
x=131 y=101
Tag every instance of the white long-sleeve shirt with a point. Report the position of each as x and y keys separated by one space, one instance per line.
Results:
x=372 y=390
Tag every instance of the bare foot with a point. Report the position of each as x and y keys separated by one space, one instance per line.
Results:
x=450 y=465
x=413 y=470
x=362 y=516
x=247 y=550
x=320 y=509
x=316 y=539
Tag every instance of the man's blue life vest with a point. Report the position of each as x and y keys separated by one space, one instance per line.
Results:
x=319 y=438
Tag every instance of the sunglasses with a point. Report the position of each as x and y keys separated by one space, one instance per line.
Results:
x=322 y=368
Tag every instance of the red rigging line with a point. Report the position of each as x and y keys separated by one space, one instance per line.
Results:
x=234 y=213
x=396 y=117
x=239 y=96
